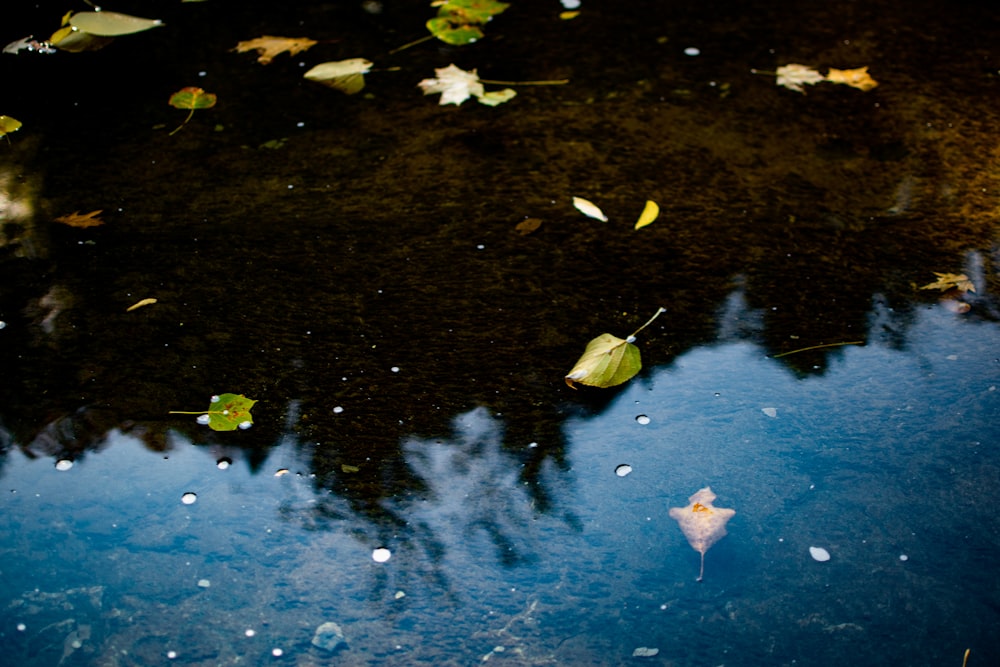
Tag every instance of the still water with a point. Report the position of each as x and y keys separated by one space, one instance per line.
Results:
x=419 y=485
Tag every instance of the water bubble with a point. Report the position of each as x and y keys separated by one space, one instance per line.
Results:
x=215 y=398
x=21 y=627
x=3 y=324
x=204 y=419
x=245 y=425
x=189 y=498
x=250 y=632
x=204 y=583
x=63 y=465
x=904 y=557
x=642 y=419
x=770 y=412
x=623 y=470
x=819 y=554
x=281 y=472
x=277 y=652
x=223 y=463
x=171 y=655
x=381 y=555
x=692 y=51
x=337 y=410
x=394 y=369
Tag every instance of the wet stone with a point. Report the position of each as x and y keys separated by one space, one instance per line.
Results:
x=329 y=637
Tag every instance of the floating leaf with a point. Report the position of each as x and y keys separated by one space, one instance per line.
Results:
x=855 y=78
x=495 y=97
x=589 y=209
x=455 y=85
x=460 y=21
x=226 y=412
x=527 y=226
x=268 y=46
x=111 y=24
x=8 y=125
x=947 y=281
x=191 y=98
x=82 y=220
x=347 y=76
x=702 y=523
x=649 y=214
x=795 y=76
x=608 y=361
x=140 y=304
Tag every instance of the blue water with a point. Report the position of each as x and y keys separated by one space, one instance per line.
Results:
x=888 y=460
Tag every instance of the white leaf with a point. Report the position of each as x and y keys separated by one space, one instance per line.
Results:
x=589 y=209
x=795 y=76
x=496 y=97
x=455 y=85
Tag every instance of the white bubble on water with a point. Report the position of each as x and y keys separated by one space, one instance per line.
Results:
x=250 y=632
x=215 y=398
x=381 y=555
x=819 y=554
x=337 y=410
x=204 y=419
x=204 y=583
x=642 y=419
x=63 y=465
x=171 y=655
x=223 y=463
x=904 y=557
x=623 y=470
x=277 y=652
x=21 y=627
x=692 y=51
x=245 y=425
x=189 y=498
x=394 y=369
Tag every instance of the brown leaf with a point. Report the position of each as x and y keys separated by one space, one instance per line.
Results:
x=855 y=78
x=947 y=281
x=702 y=524
x=527 y=226
x=81 y=220
x=269 y=46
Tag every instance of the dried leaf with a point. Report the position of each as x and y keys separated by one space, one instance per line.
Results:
x=947 y=281
x=495 y=97
x=455 y=85
x=649 y=214
x=794 y=76
x=702 y=523
x=140 y=304
x=347 y=76
x=528 y=225
x=855 y=78
x=589 y=209
x=269 y=46
x=82 y=220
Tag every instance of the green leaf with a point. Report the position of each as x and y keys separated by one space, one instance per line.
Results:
x=111 y=24
x=460 y=22
x=226 y=412
x=608 y=360
x=8 y=125
x=192 y=98
x=495 y=97
x=452 y=33
x=347 y=76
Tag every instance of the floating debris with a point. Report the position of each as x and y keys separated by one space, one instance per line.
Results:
x=770 y=412
x=328 y=636
x=189 y=498
x=381 y=555
x=62 y=465
x=643 y=419
x=819 y=554
x=623 y=469
x=645 y=652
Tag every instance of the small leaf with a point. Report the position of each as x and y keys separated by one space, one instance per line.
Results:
x=8 y=125
x=82 y=220
x=451 y=33
x=527 y=226
x=268 y=46
x=460 y=22
x=649 y=214
x=140 y=304
x=455 y=85
x=607 y=361
x=228 y=412
x=111 y=24
x=947 y=281
x=794 y=76
x=495 y=97
x=192 y=98
x=855 y=78
x=347 y=76
x=589 y=209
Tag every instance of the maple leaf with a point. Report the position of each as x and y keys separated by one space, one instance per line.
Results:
x=268 y=46
x=455 y=85
x=855 y=78
x=794 y=76
x=947 y=281
x=81 y=220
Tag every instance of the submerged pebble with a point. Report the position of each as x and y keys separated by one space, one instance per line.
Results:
x=328 y=636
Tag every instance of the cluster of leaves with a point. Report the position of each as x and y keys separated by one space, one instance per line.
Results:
x=795 y=76
x=461 y=22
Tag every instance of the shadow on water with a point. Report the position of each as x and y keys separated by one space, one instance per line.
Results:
x=353 y=263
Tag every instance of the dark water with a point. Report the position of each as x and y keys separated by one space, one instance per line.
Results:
x=352 y=263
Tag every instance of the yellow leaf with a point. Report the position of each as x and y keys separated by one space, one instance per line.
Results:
x=268 y=46
x=347 y=76
x=855 y=78
x=81 y=220
x=589 y=209
x=649 y=214
x=140 y=304
x=566 y=16
x=8 y=125
x=608 y=360
x=947 y=281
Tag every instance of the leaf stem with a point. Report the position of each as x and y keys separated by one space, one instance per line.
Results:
x=199 y=412
x=552 y=82
x=649 y=321
x=423 y=39
x=818 y=347
x=178 y=129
